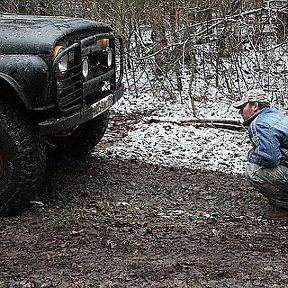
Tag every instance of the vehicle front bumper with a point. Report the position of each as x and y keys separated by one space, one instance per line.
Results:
x=56 y=125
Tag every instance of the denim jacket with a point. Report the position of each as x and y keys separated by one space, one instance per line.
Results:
x=268 y=133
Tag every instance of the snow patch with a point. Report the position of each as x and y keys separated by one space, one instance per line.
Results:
x=170 y=144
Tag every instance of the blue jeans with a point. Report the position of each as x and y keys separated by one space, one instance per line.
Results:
x=271 y=182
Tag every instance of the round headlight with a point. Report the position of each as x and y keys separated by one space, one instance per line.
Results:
x=85 y=67
x=109 y=59
x=62 y=65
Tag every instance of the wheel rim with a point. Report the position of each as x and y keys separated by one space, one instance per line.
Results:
x=1 y=166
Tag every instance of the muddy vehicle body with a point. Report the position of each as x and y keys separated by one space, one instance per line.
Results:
x=58 y=78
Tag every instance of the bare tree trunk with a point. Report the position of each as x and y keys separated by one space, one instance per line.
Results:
x=158 y=34
x=282 y=26
x=176 y=52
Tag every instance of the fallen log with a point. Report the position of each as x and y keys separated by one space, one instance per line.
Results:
x=197 y=122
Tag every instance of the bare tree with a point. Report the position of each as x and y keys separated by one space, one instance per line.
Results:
x=228 y=44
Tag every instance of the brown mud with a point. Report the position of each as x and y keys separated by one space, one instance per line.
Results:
x=103 y=222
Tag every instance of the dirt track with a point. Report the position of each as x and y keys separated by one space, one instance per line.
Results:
x=111 y=223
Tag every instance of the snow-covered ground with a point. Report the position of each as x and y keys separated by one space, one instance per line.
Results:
x=213 y=85
x=170 y=144
x=216 y=149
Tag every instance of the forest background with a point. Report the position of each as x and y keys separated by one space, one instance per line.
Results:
x=184 y=48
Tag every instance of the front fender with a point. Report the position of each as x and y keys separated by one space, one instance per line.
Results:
x=8 y=81
x=28 y=75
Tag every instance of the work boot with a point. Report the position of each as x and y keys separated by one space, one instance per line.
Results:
x=278 y=214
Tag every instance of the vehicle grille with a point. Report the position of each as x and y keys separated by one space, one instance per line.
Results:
x=72 y=90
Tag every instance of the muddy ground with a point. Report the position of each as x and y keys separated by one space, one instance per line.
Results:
x=104 y=222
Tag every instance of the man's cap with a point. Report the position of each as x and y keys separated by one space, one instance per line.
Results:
x=253 y=95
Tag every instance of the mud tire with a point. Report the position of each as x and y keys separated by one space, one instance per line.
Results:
x=81 y=141
x=22 y=159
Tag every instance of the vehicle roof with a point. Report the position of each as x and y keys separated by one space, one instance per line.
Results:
x=38 y=34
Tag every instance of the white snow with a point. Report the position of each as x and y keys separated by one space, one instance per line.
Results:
x=169 y=144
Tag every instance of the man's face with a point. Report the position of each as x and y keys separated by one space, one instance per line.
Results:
x=248 y=110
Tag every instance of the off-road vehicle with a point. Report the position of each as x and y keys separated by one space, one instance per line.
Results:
x=58 y=78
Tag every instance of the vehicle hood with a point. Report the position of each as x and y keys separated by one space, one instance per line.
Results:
x=27 y=34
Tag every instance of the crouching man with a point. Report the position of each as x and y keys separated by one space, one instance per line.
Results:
x=267 y=168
